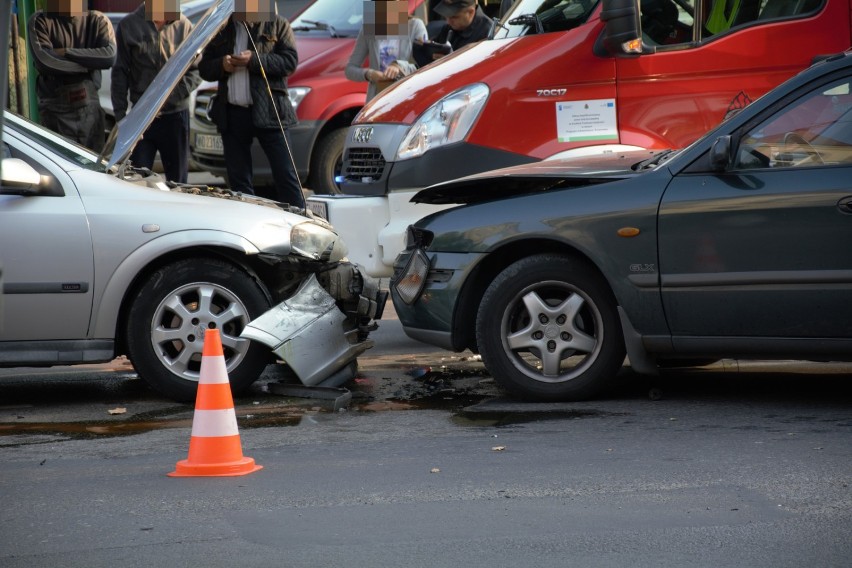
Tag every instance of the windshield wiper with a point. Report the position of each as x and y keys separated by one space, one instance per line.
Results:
x=526 y=20
x=654 y=160
x=316 y=25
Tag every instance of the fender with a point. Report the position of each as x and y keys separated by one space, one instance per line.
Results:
x=352 y=101
x=104 y=315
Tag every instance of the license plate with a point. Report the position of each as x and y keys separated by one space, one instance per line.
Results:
x=318 y=208
x=211 y=143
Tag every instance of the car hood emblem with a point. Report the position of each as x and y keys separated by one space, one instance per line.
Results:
x=362 y=134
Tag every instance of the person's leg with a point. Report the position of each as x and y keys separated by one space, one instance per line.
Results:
x=236 y=142
x=172 y=139
x=287 y=186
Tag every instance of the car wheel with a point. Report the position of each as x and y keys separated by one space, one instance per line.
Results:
x=327 y=163
x=547 y=329
x=167 y=319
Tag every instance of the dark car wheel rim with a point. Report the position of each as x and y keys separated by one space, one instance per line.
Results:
x=552 y=332
x=179 y=323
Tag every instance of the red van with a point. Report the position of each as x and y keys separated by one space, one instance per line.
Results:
x=562 y=78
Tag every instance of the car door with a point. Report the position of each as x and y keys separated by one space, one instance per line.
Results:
x=762 y=249
x=46 y=251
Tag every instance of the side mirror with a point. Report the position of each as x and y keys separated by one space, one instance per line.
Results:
x=18 y=177
x=622 y=27
x=720 y=154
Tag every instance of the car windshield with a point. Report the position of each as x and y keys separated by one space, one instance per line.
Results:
x=529 y=17
x=69 y=150
x=337 y=18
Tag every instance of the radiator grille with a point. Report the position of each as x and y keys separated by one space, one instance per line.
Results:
x=364 y=165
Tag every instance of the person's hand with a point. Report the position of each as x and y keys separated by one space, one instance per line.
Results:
x=437 y=56
x=241 y=60
x=393 y=72
x=59 y=51
x=373 y=75
x=227 y=64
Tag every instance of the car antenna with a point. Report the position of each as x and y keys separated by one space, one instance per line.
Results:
x=277 y=115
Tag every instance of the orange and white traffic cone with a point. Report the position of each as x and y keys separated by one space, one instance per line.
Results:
x=214 y=447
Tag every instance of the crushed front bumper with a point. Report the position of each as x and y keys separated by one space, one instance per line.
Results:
x=321 y=332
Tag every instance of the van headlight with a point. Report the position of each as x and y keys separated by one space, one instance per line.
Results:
x=447 y=121
x=297 y=94
x=316 y=242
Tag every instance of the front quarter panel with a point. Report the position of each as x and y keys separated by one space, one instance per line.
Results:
x=582 y=221
x=115 y=288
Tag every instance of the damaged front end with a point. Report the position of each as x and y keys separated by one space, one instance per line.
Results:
x=327 y=311
x=320 y=335
x=325 y=307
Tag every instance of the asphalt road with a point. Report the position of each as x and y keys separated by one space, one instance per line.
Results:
x=736 y=464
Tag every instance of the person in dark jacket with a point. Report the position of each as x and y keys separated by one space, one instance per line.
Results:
x=466 y=24
x=249 y=44
x=146 y=39
x=69 y=48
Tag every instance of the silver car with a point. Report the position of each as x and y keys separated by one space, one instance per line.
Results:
x=100 y=259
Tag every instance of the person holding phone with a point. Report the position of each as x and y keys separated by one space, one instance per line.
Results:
x=386 y=41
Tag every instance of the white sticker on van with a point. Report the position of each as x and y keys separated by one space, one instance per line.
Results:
x=582 y=121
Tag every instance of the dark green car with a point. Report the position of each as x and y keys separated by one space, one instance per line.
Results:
x=739 y=245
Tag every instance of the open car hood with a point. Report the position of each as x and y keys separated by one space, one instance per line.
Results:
x=127 y=132
x=535 y=177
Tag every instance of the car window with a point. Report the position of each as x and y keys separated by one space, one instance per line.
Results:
x=666 y=22
x=529 y=17
x=340 y=18
x=719 y=16
x=816 y=130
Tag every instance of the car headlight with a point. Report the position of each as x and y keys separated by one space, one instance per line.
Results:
x=316 y=242
x=297 y=94
x=447 y=121
x=413 y=278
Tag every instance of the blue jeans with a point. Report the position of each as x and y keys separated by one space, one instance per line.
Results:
x=236 y=142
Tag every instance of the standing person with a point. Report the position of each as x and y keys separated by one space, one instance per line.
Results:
x=386 y=41
x=146 y=39
x=466 y=24
x=70 y=46
x=243 y=108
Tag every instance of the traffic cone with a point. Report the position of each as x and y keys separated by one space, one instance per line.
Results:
x=214 y=447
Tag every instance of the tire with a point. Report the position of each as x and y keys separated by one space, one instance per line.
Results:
x=572 y=346
x=327 y=163
x=166 y=348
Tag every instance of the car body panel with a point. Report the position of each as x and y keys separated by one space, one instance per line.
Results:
x=575 y=89
x=84 y=239
x=731 y=247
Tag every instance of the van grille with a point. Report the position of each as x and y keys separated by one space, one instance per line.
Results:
x=364 y=165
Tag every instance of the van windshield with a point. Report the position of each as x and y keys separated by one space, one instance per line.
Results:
x=529 y=17
x=335 y=18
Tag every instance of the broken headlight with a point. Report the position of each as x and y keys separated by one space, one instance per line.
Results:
x=313 y=241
